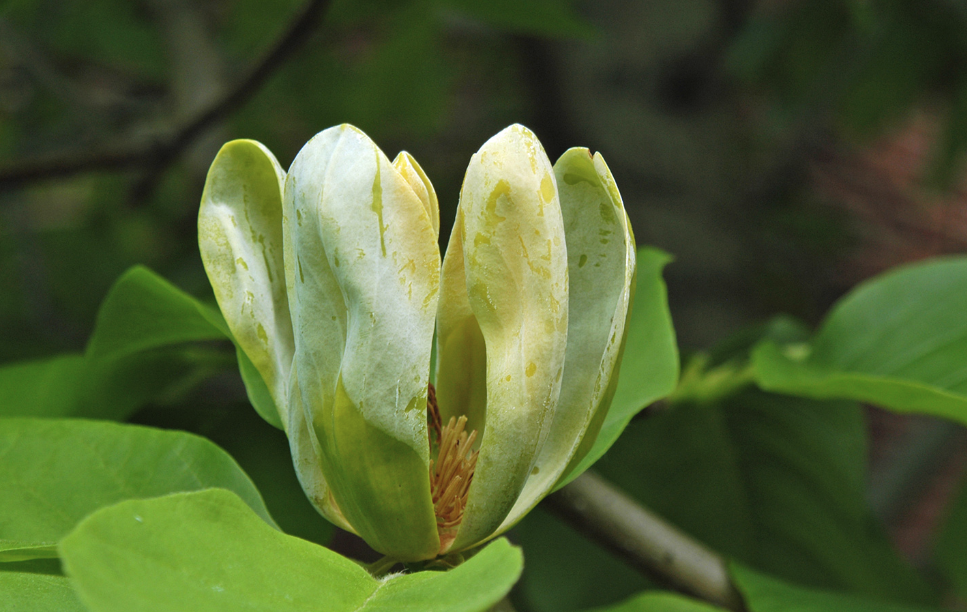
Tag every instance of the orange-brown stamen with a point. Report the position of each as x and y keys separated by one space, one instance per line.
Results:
x=451 y=472
x=433 y=412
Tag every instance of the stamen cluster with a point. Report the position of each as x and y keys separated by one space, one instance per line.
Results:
x=451 y=472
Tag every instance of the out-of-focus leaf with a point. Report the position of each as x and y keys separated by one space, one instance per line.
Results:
x=565 y=571
x=649 y=366
x=898 y=341
x=796 y=50
x=55 y=472
x=950 y=550
x=764 y=593
x=552 y=18
x=776 y=482
x=110 y=32
x=952 y=144
x=905 y=53
x=660 y=602
x=207 y=551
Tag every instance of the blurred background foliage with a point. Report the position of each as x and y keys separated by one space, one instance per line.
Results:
x=782 y=150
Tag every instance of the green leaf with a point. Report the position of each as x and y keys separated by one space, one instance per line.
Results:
x=649 y=367
x=78 y=386
x=33 y=592
x=207 y=551
x=659 y=602
x=43 y=388
x=764 y=593
x=897 y=341
x=776 y=482
x=144 y=311
x=261 y=450
x=142 y=317
x=55 y=472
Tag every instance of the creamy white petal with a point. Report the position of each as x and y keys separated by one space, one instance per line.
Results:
x=365 y=280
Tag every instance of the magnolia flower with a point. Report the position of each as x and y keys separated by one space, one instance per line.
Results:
x=330 y=278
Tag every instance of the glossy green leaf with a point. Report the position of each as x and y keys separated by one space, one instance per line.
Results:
x=776 y=482
x=898 y=341
x=55 y=472
x=22 y=591
x=659 y=602
x=261 y=450
x=764 y=593
x=136 y=354
x=207 y=551
x=649 y=367
x=144 y=311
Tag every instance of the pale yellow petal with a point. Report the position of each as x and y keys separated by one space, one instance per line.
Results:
x=601 y=268
x=411 y=171
x=515 y=267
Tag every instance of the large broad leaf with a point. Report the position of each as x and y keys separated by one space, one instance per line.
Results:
x=660 y=602
x=774 y=481
x=24 y=590
x=767 y=594
x=898 y=341
x=53 y=473
x=208 y=551
x=649 y=367
x=263 y=453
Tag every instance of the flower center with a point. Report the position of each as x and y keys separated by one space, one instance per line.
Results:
x=451 y=472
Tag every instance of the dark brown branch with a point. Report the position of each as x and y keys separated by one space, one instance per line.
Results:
x=161 y=153
x=644 y=540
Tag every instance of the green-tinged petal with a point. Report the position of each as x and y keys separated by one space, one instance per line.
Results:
x=461 y=363
x=365 y=280
x=240 y=239
x=305 y=458
x=515 y=263
x=406 y=165
x=601 y=270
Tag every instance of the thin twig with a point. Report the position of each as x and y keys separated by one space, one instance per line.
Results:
x=161 y=153
x=644 y=540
